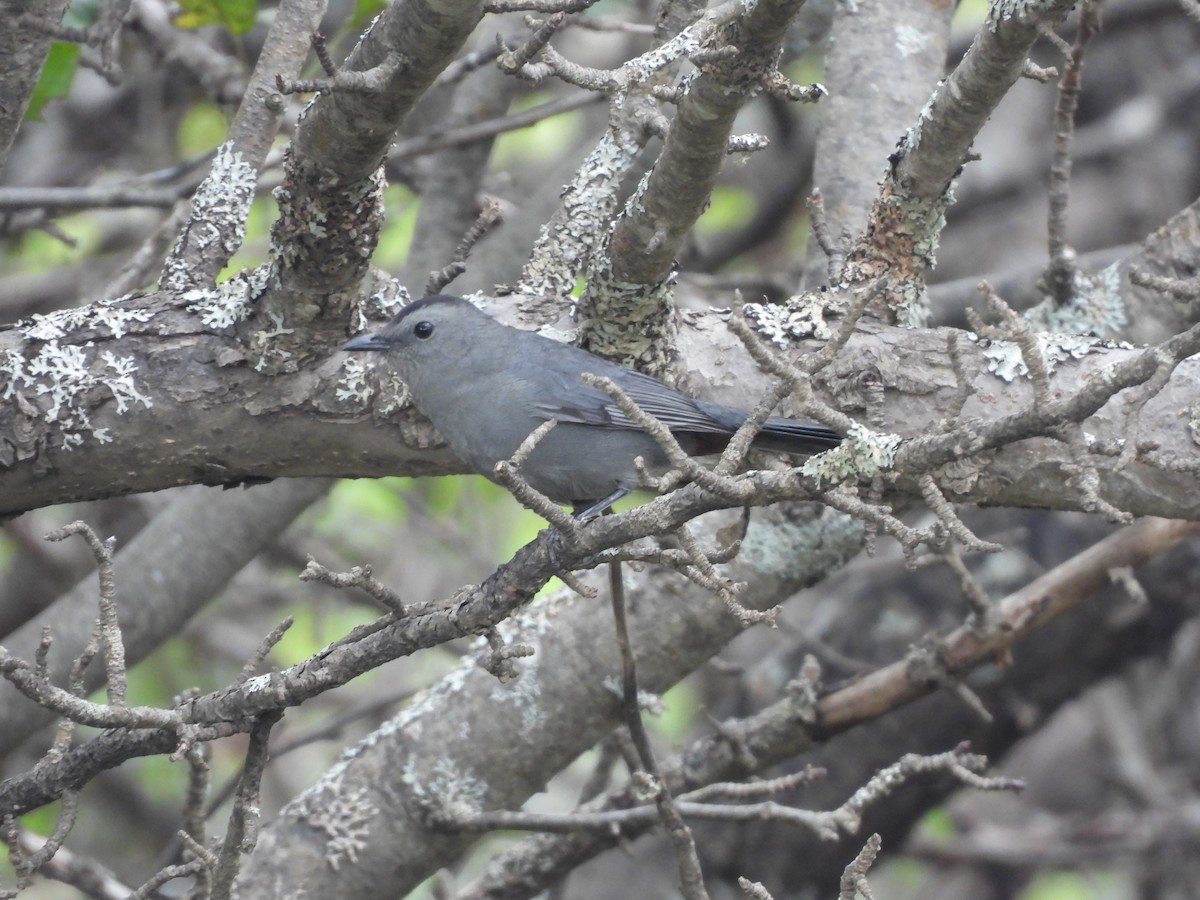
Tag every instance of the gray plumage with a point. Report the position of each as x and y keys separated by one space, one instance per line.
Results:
x=486 y=386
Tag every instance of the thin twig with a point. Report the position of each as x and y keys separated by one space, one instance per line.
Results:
x=1060 y=273
x=109 y=628
x=242 y=831
x=691 y=878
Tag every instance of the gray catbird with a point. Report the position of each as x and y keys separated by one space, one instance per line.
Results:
x=487 y=386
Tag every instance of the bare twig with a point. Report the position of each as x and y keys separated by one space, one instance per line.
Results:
x=86 y=875
x=1060 y=273
x=264 y=647
x=242 y=831
x=370 y=81
x=195 y=813
x=754 y=889
x=109 y=629
x=359 y=577
x=514 y=61
x=423 y=144
x=1179 y=288
x=691 y=878
x=321 y=49
x=499 y=660
x=676 y=455
x=489 y=216
x=854 y=878
x=835 y=253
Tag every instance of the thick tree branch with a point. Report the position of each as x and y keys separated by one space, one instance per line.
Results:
x=198 y=257
x=909 y=213
x=330 y=203
x=883 y=60
x=648 y=237
x=90 y=409
x=345 y=135
x=630 y=314
x=23 y=51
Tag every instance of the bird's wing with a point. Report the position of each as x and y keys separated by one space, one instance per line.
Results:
x=591 y=406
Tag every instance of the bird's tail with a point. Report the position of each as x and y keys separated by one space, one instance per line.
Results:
x=794 y=436
x=777 y=433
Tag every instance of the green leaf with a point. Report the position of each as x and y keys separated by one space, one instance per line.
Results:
x=235 y=15
x=55 y=81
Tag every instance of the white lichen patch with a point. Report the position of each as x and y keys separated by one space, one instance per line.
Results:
x=1096 y=306
x=50 y=327
x=1002 y=10
x=265 y=346
x=810 y=315
x=928 y=220
x=447 y=787
x=633 y=206
x=861 y=456
x=219 y=210
x=795 y=550
x=521 y=695
x=1006 y=362
x=231 y=301
x=343 y=814
x=67 y=378
x=388 y=298
x=691 y=40
x=107 y=318
x=393 y=394
x=912 y=137
x=909 y=40
x=118 y=378
x=574 y=237
x=353 y=385
x=362 y=383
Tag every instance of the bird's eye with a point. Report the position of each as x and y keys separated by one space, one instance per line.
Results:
x=423 y=329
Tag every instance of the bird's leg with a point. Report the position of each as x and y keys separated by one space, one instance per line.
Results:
x=594 y=508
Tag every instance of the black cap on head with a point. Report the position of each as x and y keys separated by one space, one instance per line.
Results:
x=381 y=340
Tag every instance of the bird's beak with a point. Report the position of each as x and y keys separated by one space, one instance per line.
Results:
x=367 y=342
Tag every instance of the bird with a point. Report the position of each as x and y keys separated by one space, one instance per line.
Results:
x=487 y=386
